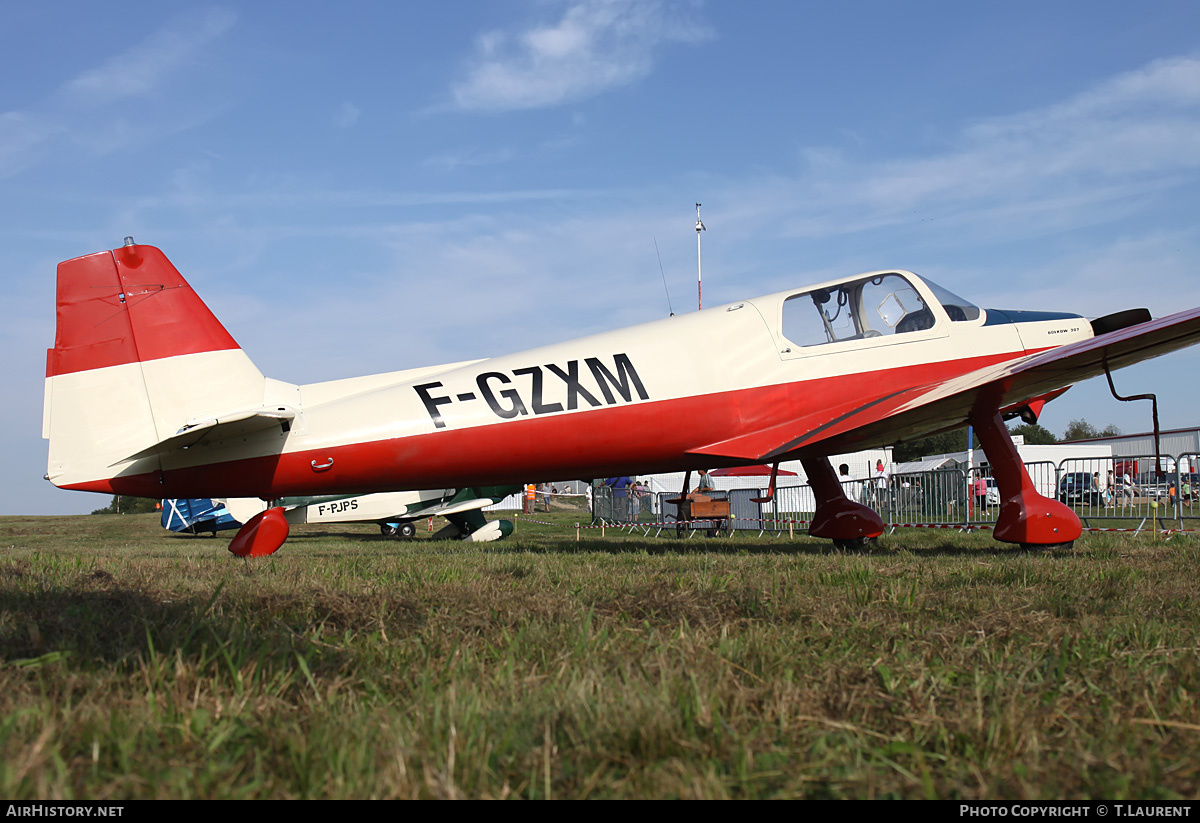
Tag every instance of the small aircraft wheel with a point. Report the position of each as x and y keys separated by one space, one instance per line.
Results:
x=407 y=530
x=387 y=530
x=856 y=544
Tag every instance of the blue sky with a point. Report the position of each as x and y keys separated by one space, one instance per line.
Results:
x=362 y=187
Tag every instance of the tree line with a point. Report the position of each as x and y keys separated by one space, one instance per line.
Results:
x=124 y=504
x=1034 y=434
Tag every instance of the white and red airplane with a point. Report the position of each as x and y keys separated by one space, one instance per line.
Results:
x=147 y=394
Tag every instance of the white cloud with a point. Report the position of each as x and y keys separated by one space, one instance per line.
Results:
x=596 y=46
x=1169 y=82
x=144 y=67
x=65 y=118
x=21 y=136
x=1130 y=135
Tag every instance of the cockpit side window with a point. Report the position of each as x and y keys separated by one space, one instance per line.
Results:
x=872 y=307
x=820 y=316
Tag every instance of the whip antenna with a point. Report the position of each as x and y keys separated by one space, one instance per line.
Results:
x=664 y=277
x=699 y=290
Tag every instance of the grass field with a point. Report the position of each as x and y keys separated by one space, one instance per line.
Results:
x=139 y=664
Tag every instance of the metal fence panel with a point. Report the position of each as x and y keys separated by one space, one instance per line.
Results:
x=603 y=507
x=1188 y=466
x=1117 y=488
x=1044 y=475
x=744 y=513
x=668 y=512
x=1101 y=488
x=639 y=506
x=611 y=507
x=982 y=496
x=790 y=503
x=981 y=493
x=935 y=497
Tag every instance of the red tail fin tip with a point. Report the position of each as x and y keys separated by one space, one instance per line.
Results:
x=125 y=306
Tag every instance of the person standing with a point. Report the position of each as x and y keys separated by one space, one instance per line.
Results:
x=635 y=500
x=620 y=487
x=852 y=490
x=980 y=495
x=881 y=484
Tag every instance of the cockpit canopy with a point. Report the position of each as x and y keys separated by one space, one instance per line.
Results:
x=873 y=306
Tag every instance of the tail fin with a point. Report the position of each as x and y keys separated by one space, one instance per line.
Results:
x=138 y=359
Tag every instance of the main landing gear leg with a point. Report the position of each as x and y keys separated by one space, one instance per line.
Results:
x=1026 y=517
x=850 y=525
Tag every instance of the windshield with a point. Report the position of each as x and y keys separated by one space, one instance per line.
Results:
x=958 y=309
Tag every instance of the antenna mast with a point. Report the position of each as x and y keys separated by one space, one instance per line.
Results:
x=699 y=279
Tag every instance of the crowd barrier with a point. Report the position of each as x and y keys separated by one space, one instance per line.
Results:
x=1140 y=489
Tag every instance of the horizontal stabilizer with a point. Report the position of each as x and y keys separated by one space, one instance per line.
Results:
x=216 y=429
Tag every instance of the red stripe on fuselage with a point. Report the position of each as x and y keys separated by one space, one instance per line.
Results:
x=639 y=438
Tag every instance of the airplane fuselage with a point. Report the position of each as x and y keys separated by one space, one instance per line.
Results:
x=752 y=380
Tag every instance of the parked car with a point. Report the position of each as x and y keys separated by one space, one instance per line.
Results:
x=992 y=497
x=993 y=493
x=1079 y=489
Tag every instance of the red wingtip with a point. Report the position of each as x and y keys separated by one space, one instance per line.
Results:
x=262 y=534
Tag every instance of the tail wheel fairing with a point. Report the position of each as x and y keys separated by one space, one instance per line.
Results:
x=262 y=535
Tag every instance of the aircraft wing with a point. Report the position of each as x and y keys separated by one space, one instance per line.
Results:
x=451 y=508
x=924 y=409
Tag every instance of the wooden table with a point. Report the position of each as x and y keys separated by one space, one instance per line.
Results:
x=696 y=506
